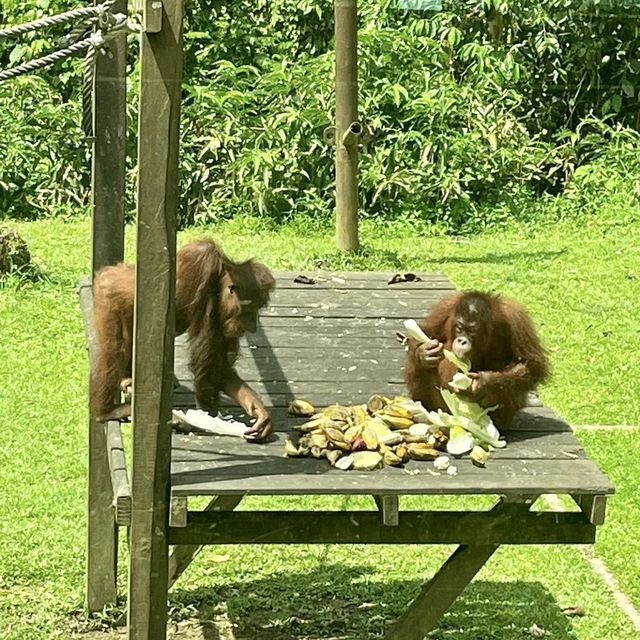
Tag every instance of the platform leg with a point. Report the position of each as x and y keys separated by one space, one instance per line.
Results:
x=440 y=592
x=102 y=531
x=449 y=582
x=182 y=555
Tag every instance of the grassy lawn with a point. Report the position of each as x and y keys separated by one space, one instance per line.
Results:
x=581 y=285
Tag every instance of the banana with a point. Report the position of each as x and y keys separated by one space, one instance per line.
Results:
x=397 y=410
x=290 y=449
x=396 y=422
x=301 y=408
x=370 y=438
x=420 y=451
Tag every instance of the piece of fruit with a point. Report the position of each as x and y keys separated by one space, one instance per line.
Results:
x=290 y=449
x=344 y=463
x=301 y=408
x=366 y=460
x=420 y=451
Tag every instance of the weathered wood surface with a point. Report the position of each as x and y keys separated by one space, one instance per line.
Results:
x=364 y=527
x=370 y=280
x=102 y=529
x=119 y=474
x=108 y=168
x=333 y=359
x=214 y=465
x=154 y=322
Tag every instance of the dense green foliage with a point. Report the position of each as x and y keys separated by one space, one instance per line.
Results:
x=475 y=111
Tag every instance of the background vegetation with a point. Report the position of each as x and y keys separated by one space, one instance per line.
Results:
x=476 y=111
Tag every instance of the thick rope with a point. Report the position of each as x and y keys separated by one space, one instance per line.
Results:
x=51 y=21
x=52 y=58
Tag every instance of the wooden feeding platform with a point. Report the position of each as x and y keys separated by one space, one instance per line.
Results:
x=334 y=341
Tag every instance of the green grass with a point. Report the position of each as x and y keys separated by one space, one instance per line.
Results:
x=619 y=539
x=576 y=279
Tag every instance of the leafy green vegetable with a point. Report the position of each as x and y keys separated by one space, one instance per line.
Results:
x=463 y=365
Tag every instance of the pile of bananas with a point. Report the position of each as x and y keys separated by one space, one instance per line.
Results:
x=384 y=431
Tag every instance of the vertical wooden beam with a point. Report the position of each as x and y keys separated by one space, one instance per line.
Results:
x=348 y=129
x=154 y=323
x=389 y=508
x=107 y=247
x=109 y=150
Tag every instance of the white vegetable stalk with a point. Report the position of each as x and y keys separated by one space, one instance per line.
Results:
x=414 y=331
x=212 y=424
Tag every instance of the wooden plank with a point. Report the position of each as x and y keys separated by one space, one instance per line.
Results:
x=158 y=136
x=119 y=474
x=336 y=278
x=305 y=372
x=522 y=445
x=410 y=308
x=102 y=530
x=594 y=507
x=308 y=296
x=212 y=466
x=355 y=391
x=108 y=205
x=365 y=527
x=443 y=285
x=182 y=556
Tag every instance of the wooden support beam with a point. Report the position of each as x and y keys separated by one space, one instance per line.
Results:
x=119 y=475
x=593 y=506
x=102 y=530
x=364 y=527
x=150 y=12
x=108 y=200
x=181 y=556
x=347 y=129
x=107 y=247
x=439 y=593
x=388 y=507
x=154 y=323
x=178 y=511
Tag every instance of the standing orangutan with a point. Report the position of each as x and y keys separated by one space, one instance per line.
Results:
x=496 y=335
x=217 y=301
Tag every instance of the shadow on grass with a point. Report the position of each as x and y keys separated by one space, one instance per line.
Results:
x=500 y=258
x=340 y=602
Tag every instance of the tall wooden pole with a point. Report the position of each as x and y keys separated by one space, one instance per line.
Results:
x=154 y=317
x=348 y=129
x=108 y=205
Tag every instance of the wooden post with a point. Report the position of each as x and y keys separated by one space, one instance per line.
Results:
x=348 y=129
x=452 y=578
x=107 y=247
x=154 y=323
